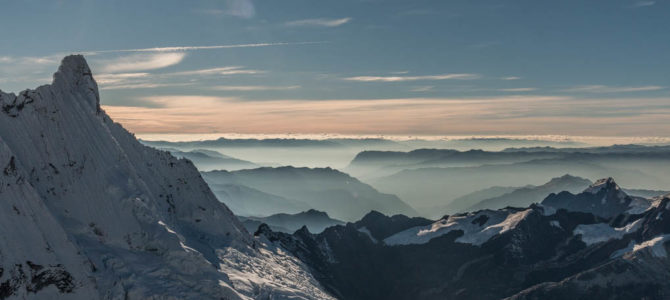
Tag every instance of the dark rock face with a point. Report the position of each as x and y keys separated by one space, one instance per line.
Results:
x=539 y=258
x=382 y=226
x=603 y=198
x=34 y=278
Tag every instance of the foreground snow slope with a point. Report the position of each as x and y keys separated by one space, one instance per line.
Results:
x=114 y=217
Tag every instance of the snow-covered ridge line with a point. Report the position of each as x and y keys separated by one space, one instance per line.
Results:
x=140 y=223
x=478 y=227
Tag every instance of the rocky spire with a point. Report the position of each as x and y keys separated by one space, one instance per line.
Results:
x=74 y=75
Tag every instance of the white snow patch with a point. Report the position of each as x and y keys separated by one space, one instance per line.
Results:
x=367 y=232
x=166 y=227
x=602 y=232
x=497 y=222
x=655 y=245
x=269 y=275
x=555 y=224
x=547 y=210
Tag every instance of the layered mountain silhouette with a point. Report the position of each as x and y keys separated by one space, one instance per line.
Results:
x=315 y=221
x=338 y=194
x=207 y=160
x=517 y=197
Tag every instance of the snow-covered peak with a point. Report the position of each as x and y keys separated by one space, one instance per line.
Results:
x=137 y=221
x=75 y=75
x=600 y=184
x=478 y=227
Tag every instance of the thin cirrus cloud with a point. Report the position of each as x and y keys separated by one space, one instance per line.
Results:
x=238 y=8
x=253 y=88
x=411 y=78
x=613 y=89
x=644 y=3
x=493 y=115
x=142 y=62
x=191 y=48
x=232 y=70
x=119 y=77
x=518 y=90
x=321 y=22
x=142 y=86
x=420 y=89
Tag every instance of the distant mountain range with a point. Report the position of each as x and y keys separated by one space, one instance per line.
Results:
x=516 y=197
x=426 y=178
x=607 y=246
x=208 y=160
x=315 y=221
x=338 y=194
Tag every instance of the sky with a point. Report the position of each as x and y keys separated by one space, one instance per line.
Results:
x=420 y=67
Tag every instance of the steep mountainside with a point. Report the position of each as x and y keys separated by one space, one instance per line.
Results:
x=526 y=253
x=88 y=212
x=338 y=194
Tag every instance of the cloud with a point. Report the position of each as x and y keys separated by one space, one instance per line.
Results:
x=518 y=90
x=426 y=88
x=141 y=62
x=613 y=89
x=191 y=48
x=320 y=22
x=233 y=70
x=252 y=88
x=644 y=3
x=133 y=86
x=510 y=78
x=118 y=78
x=240 y=8
x=411 y=78
x=494 y=115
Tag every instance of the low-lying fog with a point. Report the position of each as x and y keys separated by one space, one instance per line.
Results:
x=433 y=175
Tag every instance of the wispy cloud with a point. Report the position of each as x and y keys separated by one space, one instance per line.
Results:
x=644 y=3
x=240 y=8
x=253 y=88
x=518 y=90
x=419 y=89
x=510 y=78
x=141 y=62
x=233 y=70
x=613 y=89
x=320 y=22
x=118 y=78
x=191 y=48
x=133 y=86
x=411 y=78
x=496 y=115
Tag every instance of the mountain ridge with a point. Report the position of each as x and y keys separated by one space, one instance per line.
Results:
x=140 y=222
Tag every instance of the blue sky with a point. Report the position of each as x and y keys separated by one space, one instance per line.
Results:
x=357 y=66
